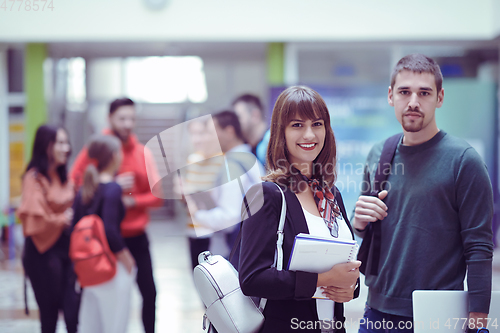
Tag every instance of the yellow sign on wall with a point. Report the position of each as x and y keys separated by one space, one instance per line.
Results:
x=16 y=153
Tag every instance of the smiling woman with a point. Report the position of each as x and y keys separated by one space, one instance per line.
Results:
x=301 y=159
x=304 y=141
x=300 y=135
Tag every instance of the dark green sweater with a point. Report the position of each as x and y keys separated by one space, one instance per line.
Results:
x=440 y=208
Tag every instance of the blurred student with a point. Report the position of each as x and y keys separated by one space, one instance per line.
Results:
x=253 y=124
x=136 y=196
x=105 y=307
x=226 y=215
x=46 y=214
x=198 y=176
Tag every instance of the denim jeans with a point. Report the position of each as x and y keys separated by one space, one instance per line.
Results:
x=375 y=321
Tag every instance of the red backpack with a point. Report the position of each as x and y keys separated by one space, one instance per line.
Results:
x=94 y=263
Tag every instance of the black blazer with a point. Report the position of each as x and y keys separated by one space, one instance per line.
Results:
x=289 y=294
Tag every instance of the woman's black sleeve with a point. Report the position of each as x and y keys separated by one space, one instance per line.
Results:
x=112 y=215
x=258 y=243
x=77 y=209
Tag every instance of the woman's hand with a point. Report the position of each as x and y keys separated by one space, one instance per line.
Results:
x=339 y=295
x=341 y=276
x=125 y=257
x=68 y=217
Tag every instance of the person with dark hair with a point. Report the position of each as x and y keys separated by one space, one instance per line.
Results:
x=435 y=212
x=228 y=120
x=240 y=164
x=119 y=102
x=136 y=196
x=252 y=118
x=46 y=214
x=104 y=307
x=301 y=159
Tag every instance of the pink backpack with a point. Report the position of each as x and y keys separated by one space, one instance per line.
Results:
x=94 y=263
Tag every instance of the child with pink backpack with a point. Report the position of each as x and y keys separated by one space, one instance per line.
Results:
x=103 y=264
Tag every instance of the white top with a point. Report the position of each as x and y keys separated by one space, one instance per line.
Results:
x=229 y=196
x=318 y=227
x=199 y=175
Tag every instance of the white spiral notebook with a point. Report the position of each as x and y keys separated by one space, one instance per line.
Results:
x=319 y=254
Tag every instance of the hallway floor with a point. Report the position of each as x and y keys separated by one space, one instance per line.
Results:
x=178 y=308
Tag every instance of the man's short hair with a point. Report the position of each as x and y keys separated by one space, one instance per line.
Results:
x=251 y=100
x=119 y=102
x=418 y=63
x=229 y=118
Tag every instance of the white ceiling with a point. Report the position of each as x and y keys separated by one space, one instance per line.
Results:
x=252 y=21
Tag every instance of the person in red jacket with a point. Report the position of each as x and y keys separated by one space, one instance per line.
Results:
x=137 y=197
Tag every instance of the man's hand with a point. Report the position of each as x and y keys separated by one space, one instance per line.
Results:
x=128 y=201
x=477 y=320
x=369 y=209
x=126 y=181
x=68 y=216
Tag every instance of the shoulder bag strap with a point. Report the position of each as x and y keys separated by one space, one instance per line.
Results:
x=374 y=232
x=278 y=255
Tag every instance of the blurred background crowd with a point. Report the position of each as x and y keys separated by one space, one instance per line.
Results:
x=183 y=59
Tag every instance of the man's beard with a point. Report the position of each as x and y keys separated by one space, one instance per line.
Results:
x=122 y=137
x=413 y=125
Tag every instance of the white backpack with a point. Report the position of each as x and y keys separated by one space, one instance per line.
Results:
x=216 y=281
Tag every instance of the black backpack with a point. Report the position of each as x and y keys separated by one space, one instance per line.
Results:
x=374 y=229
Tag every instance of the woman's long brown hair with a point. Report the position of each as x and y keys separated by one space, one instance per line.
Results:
x=101 y=150
x=303 y=102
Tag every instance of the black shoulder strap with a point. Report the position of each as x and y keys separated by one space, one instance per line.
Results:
x=385 y=162
x=374 y=229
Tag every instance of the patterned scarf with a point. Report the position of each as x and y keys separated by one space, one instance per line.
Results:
x=327 y=205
